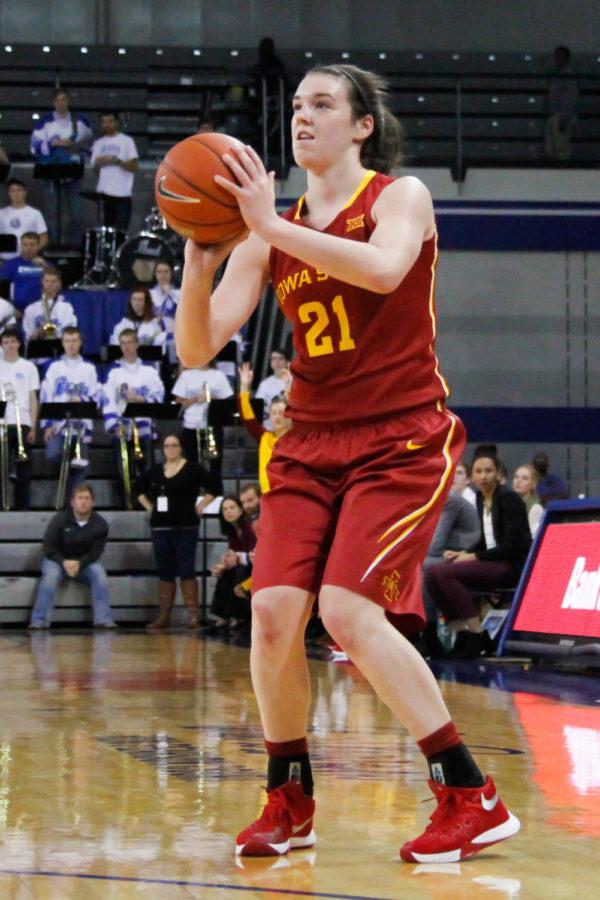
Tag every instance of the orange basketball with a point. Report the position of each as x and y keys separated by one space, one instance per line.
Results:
x=187 y=195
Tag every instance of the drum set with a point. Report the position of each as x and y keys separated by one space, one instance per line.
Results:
x=114 y=260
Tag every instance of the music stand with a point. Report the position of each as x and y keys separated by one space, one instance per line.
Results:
x=3 y=408
x=57 y=173
x=73 y=409
x=50 y=348
x=97 y=198
x=162 y=412
x=147 y=352
x=8 y=243
x=4 y=170
x=225 y=412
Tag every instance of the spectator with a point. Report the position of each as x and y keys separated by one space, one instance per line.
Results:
x=73 y=544
x=549 y=486
x=266 y=439
x=457 y=529
x=495 y=561
x=19 y=218
x=169 y=492
x=130 y=381
x=229 y=610
x=67 y=380
x=115 y=160
x=525 y=484
x=20 y=382
x=47 y=317
x=62 y=137
x=165 y=296
x=25 y=272
x=250 y=499
x=462 y=483
x=205 y=125
x=275 y=385
x=193 y=390
x=140 y=318
x=562 y=105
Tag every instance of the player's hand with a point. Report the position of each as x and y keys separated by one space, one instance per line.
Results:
x=246 y=375
x=255 y=191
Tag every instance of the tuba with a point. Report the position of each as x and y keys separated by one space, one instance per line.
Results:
x=48 y=326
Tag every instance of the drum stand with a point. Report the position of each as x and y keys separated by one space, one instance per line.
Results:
x=97 y=273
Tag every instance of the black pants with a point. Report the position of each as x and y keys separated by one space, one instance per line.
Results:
x=175 y=552
x=117 y=212
x=20 y=472
x=225 y=604
x=189 y=442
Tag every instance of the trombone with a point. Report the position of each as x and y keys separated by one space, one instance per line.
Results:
x=66 y=463
x=138 y=454
x=206 y=439
x=4 y=455
x=11 y=395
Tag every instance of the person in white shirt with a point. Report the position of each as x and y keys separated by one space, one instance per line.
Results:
x=130 y=381
x=51 y=310
x=115 y=160
x=141 y=318
x=19 y=383
x=193 y=390
x=69 y=379
x=18 y=217
x=62 y=137
x=275 y=385
x=165 y=297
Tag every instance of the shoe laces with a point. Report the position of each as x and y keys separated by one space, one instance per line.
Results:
x=448 y=805
x=274 y=808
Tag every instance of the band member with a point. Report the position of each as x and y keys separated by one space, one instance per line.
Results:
x=19 y=383
x=142 y=319
x=69 y=379
x=194 y=390
x=115 y=159
x=51 y=313
x=130 y=381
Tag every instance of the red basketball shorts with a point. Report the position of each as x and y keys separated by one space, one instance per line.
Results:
x=356 y=506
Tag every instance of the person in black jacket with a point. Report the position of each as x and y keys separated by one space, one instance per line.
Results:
x=73 y=544
x=495 y=561
x=170 y=492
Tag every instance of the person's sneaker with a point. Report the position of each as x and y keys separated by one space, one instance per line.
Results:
x=38 y=626
x=285 y=823
x=466 y=821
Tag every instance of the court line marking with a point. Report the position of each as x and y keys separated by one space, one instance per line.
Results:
x=201 y=884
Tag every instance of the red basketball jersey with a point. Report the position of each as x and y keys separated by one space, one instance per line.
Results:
x=358 y=354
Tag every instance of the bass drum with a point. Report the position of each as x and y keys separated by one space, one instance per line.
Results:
x=138 y=256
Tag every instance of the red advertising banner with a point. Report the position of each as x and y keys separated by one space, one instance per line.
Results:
x=563 y=592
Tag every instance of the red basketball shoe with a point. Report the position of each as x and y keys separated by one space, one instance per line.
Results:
x=466 y=821
x=285 y=823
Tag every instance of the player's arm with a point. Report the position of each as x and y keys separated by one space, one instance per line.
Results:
x=205 y=320
x=403 y=214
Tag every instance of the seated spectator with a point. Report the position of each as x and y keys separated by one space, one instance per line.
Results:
x=266 y=439
x=495 y=561
x=140 y=317
x=193 y=390
x=169 y=492
x=229 y=610
x=25 y=272
x=525 y=484
x=20 y=382
x=250 y=499
x=67 y=380
x=18 y=218
x=462 y=483
x=562 y=107
x=457 y=529
x=275 y=385
x=47 y=317
x=549 y=486
x=165 y=296
x=115 y=161
x=73 y=544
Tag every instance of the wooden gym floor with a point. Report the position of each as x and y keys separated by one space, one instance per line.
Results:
x=129 y=761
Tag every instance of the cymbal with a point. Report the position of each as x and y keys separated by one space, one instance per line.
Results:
x=91 y=195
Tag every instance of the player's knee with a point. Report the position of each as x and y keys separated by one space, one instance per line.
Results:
x=271 y=622
x=336 y=620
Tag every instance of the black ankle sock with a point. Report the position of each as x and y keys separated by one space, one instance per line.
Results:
x=455 y=767
x=290 y=768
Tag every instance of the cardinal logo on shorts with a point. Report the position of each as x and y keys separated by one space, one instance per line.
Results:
x=357 y=222
x=391 y=586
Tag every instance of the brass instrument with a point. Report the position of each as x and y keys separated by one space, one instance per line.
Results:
x=11 y=394
x=4 y=459
x=137 y=450
x=206 y=440
x=77 y=462
x=48 y=326
x=125 y=465
x=138 y=454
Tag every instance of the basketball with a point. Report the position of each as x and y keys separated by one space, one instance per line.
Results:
x=187 y=195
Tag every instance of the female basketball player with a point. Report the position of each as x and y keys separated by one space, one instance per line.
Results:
x=365 y=470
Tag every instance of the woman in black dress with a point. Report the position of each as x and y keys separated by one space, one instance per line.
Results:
x=169 y=492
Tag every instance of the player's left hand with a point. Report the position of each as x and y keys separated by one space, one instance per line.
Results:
x=255 y=191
